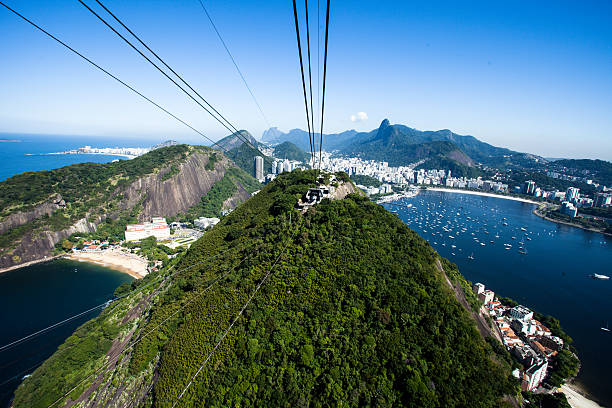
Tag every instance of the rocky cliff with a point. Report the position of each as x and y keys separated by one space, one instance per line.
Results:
x=171 y=188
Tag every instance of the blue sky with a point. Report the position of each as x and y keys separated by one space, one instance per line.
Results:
x=531 y=76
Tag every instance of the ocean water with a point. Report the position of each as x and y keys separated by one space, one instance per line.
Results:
x=29 y=154
x=34 y=297
x=551 y=277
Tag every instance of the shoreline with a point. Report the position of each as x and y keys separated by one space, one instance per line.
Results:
x=577 y=397
x=129 y=157
x=30 y=263
x=133 y=265
x=569 y=224
x=483 y=193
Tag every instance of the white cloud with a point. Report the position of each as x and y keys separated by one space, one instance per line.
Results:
x=359 y=117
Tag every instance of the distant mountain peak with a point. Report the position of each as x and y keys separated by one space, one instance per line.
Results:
x=384 y=124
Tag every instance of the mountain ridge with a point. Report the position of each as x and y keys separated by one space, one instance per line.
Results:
x=39 y=209
x=338 y=320
x=350 y=142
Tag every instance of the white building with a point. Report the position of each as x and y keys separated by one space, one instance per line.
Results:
x=571 y=194
x=258 y=168
x=521 y=313
x=204 y=222
x=479 y=288
x=534 y=375
x=486 y=296
x=569 y=209
x=157 y=228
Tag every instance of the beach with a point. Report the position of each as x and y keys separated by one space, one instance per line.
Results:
x=131 y=264
x=482 y=193
x=576 y=399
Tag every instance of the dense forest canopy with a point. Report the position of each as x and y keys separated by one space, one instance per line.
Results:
x=353 y=313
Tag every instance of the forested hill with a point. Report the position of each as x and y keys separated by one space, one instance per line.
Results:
x=40 y=209
x=288 y=150
x=243 y=154
x=404 y=144
x=351 y=311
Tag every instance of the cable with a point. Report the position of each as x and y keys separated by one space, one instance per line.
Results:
x=235 y=64
x=214 y=281
x=297 y=33
x=161 y=60
x=139 y=289
x=229 y=128
x=324 y=77
x=233 y=129
x=309 y=73
x=105 y=71
x=236 y=318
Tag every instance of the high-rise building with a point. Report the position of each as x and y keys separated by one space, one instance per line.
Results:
x=602 y=200
x=529 y=187
x=569 y=209
x=571 y=194
x=258 y=168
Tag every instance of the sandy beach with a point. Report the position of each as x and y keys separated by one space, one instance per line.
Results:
x=128 y=263
x=482 y=193
x=576 y=399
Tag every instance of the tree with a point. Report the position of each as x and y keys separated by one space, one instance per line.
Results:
x=66 y=245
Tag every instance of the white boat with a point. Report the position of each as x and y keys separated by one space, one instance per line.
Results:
x=600 y=277
x=606 y=329
x=471 y=256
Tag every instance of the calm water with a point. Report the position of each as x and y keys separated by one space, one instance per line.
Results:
x=37 y=296
x=29 y=153
x=552 y=277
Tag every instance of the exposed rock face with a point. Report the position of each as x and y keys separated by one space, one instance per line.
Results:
x=237 y=198
x=47 y=208
x=158 y=196
x=38 y=245
x=166 y=198
x=343 y=190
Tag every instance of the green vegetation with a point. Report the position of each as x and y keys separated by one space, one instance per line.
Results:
x=556 y=400
x=84 y=185
x=174 y=170
x=354 y=313
x=80 y=352
x=212 y=203
x=367 y=181
x=88 y=190
x=457 y=169
x=597 y=212
x=586 y=222
x=288 y=150
x=212 y=159
x=598 y=170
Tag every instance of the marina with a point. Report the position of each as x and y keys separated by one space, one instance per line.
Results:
x=531 y=260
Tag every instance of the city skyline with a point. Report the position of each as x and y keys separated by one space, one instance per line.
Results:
x=531 y=78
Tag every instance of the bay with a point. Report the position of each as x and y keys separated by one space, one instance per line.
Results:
x=29 y=152
x=37 y=296
x=550 y=274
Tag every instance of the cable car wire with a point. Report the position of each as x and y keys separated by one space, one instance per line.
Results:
x=235 y=63
x=324 y=77
x=297 y=33
x=106 y=72
x=263 y=280
x=228 y=126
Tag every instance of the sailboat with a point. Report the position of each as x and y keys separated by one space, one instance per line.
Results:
x=606 y=329
x=471 y=256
